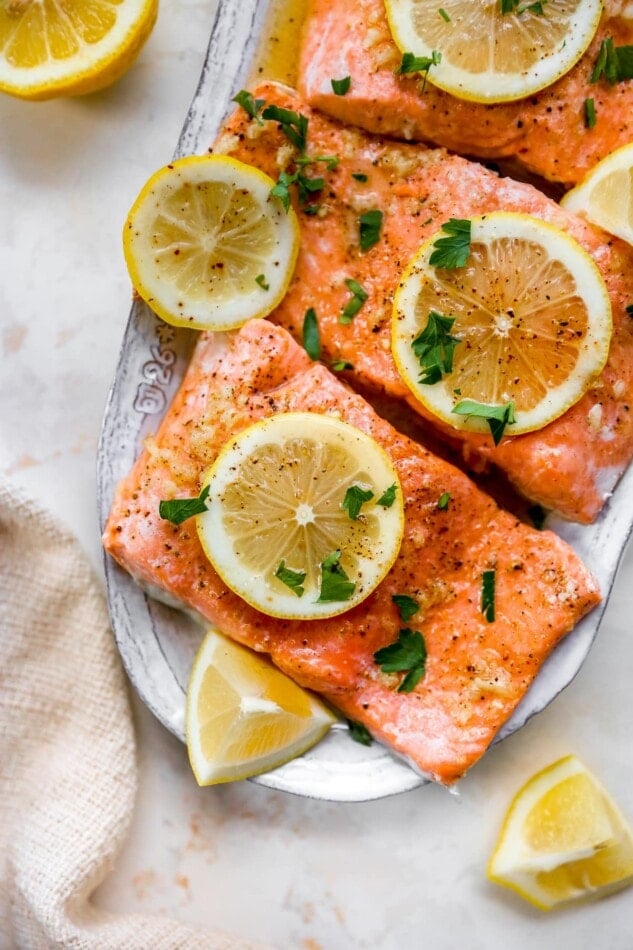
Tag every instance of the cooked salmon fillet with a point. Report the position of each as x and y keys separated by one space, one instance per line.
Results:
x=573 y=464
x=546 y=132
x=476 y=671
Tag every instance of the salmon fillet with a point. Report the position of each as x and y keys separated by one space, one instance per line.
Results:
x=476 y=671
x=546 y=132
x=571 y=465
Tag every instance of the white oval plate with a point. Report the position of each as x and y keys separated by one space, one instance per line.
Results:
x=157 y=643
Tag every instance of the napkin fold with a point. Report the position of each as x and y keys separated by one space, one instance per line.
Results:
x=68 y=770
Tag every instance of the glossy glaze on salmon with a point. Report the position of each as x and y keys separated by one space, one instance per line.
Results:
x=547 y=132
x=571 y=465
x=476 y=671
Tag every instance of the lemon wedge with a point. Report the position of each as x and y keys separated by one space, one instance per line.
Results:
x=605 y=196
x=526 y=322
x=488 y=55
x=304 y=515
x=52 y=49
x=206 y=244
x=244 y=716
x=563 y=839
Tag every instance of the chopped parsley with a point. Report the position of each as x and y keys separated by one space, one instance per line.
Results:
x=359 y=176
x=488 y=595
x=292 y=579
x=339 y=365
x=590 y=113
x=453 y=250
x=434 y=346
x=443 y=500
x=614 y=63
x=516 y=6
x=497 y=417
x=294 y=125
x=351 y=308
x=411 y=63
x=406 y=654
x=537 y=516
x=388 y=497
x=310 y=334
x=179 y=509
x=359 y=732
x=335 y=584
x=407 y=606
x=261 y=280
x=341 y=86
x=355 y=498
x=442 y=12
x=251 y=106
x=369 y=224
x=629 y=309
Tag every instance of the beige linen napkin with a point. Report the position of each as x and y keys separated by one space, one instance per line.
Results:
x=67 y=753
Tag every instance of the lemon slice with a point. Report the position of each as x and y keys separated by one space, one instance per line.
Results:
x=563 y=839
x=276 y=529
x=206 y=244
x=532 y=318
x=52 y=49
x=245 y=717
x=489 y=56
x=605 y=196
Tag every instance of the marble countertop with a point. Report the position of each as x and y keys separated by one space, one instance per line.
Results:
x=399 y=873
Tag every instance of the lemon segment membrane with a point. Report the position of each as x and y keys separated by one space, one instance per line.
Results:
x=275 y=505
x=489 y=56
x=531 y=314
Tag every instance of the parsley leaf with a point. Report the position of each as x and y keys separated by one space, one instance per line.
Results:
x=497 y=417
x=311 y=335
x=388 y=497
x=590 y=113
x=488 y=595
x=452 y=251
x=359 y=176
x=292 y=579
x=434 y=346
x=443 y=501
x=351 y=308
x=370 y=223
x=261 y=280
x=282 y=189
x=512 y=6
x=251 y=106
x=178 y=510
x=341 y=86
x=355 y=498
x=629 y=309
x=614 y=63
x=359 y=732
x=294 y=125
x=339 y=365
x=335 y=584
x=442 y=12
x=411 y=63
x=406 y=605
x=406 y=654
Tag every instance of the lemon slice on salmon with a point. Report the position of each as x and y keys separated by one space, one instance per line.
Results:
x=244 y=716
x=52 y=49
x=207 y=245
x=304 y=515
x=563 y=839
x=605 y=195
x=524 y=324
x=494 y=50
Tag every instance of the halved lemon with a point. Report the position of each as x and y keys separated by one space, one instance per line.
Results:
x=244 y=716
x=531 y=316
x=52 y=49
x=605 y=195
x=489 y=56
x=563 y=839
x=304 y=515
x=207 y=245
